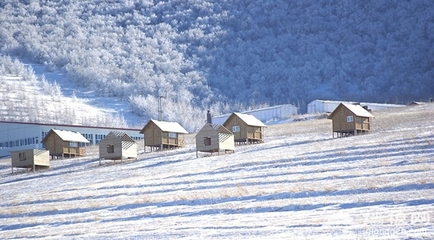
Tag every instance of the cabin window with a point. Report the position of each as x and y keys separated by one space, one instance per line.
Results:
x=73 y=144
x=350 y=119
x=22 y=156
x=110 y=148
x=207 y=141
x=235 y=128
x=172 y=135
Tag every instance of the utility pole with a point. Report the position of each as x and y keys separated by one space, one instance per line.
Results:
x=160 y=109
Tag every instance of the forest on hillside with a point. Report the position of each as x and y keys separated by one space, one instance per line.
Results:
x=26 y=98
x=227 y=55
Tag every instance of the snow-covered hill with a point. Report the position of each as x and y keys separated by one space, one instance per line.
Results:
x=300 y=184
x=30 y=93
x=228 y=55
x=90 y=103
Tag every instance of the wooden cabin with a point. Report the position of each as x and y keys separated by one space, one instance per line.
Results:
x=117 y=146
x=63 y=143
x=246 y=128
x=30 y=158
x=214 y=138
x=349 y=119
x=160 y=135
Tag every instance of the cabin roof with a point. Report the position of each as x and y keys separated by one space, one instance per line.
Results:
x=220 y=128
x=69 y=136
x=355 y=109
x=123 y=136
x=166 y=126
x=249 y=119
x=35 y=151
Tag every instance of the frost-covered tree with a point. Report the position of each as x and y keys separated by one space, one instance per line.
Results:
x=230 y=53
x=19 y=100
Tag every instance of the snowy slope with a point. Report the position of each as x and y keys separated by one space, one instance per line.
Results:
x=87 y=97
x=30 y=93
x=299 y=184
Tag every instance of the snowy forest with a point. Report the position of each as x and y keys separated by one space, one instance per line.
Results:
x=226 y=55
x=25 y=98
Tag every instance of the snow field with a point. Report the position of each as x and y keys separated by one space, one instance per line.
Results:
x=299 y=184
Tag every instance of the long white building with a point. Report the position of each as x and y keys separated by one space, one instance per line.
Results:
x=320 y=106
x=17 y=136
x=278 y=112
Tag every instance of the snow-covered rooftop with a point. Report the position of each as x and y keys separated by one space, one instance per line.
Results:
x=358 y=110
x=169 y=126
x=70 y=136
x=250 y=119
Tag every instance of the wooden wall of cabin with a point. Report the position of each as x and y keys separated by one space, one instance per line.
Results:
x=152 y=135
x=255 y=133
x=24 y=158
x=41 y=157
x=204 y=133
x=54 y=144
x=73 y=148
x=340 y=122
x=105 y=149
x=228 y=143
x=129 y=149
x=363 y=123
x=177 y=140
x=30 y=157
x=236 y=121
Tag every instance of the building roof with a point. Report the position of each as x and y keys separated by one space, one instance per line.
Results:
x=216 y=127
x=223 y=133
x=356 y=109
x=123 y=136
x=35 y=151
x=55 y=125
x=249 y=119
x=69 y=136
x=166 y=126
x=376 y=106
x=220 y=128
